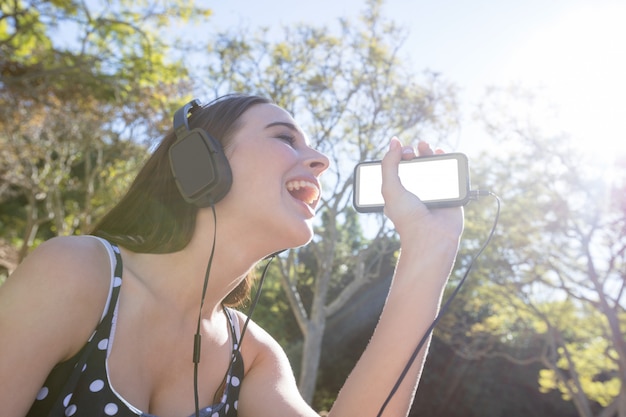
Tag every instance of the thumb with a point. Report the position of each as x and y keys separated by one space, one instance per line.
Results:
x=390 y=180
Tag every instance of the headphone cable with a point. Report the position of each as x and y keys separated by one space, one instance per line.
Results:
x=197 y=336
x=253 y=306
x=197 y=339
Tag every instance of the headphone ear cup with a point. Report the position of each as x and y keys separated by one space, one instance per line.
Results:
x=200 y=168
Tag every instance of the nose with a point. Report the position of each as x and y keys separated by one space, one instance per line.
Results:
x=317 y=161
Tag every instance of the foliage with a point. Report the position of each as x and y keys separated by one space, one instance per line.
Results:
x=555 y=269
x=82 y=85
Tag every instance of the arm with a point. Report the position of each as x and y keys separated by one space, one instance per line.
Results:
x=429 y=243
x=48 y=308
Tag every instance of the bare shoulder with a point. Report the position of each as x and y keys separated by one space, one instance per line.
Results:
x=68 y=251
x=258 y=344
x=262 y=354
x=64 y=279
x=49 y=307
x=71 y=265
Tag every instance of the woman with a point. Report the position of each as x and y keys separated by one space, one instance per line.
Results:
x=140 y=288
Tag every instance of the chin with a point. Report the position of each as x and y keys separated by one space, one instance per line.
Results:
x=301 y=237
x=306 y=242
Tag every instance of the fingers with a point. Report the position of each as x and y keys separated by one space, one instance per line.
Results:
x=397 y=152
x=423 y=148
x=408 y=152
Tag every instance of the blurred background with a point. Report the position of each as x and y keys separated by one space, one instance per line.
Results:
x=533 y=92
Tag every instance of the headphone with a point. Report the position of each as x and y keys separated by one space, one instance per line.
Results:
x=199 y=166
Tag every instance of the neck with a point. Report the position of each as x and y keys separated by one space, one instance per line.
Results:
x=177 y=278
x=239 y=244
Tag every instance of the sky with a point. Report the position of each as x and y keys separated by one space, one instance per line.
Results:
x=572 y=53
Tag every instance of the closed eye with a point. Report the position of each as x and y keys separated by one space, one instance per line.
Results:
x=287 y=138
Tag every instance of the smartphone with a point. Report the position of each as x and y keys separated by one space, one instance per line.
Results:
x=438 y=180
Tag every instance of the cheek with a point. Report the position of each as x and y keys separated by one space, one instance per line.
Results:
x=254 y=181
x=262 y=166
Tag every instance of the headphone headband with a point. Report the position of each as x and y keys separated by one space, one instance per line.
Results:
x=181 y=117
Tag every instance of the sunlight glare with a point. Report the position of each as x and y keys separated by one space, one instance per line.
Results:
x=578 y=62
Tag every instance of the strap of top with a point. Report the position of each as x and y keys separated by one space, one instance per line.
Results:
x=235 y=328
x=114 y=290
x=116 y=272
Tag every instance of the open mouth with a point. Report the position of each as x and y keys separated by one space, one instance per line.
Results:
x=305 y=191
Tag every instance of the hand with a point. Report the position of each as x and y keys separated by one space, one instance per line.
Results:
x=409 y=215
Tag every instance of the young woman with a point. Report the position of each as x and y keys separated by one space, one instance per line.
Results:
x=138 y=282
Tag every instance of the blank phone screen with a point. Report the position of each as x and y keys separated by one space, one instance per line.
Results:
x=429 y=179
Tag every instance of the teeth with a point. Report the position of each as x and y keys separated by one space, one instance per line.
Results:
x=297 y=185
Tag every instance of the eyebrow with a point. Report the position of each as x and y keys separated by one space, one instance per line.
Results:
x=285 y=124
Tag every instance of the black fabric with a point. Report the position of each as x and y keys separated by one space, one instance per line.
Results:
x=80 y=386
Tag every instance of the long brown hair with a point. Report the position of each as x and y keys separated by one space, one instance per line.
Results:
x=153 y=217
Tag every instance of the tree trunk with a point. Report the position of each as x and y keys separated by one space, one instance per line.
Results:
x=311 y=354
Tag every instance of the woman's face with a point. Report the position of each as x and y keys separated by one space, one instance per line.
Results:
x=276 y=174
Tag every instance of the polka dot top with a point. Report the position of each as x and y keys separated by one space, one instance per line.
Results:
x=80 y=386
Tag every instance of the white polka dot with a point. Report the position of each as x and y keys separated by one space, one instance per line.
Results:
x=110 y=409
x=96 y=385
x=117 y=281
x=102 y=345
x=66 y=400
x=235 y=381
x=43 y=393
x=236 y=404
x=84 y=367
x=215 y=415
x=70 y=411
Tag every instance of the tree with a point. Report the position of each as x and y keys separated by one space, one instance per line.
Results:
x=83 y=86
x=351 y=92
x=555 y=274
